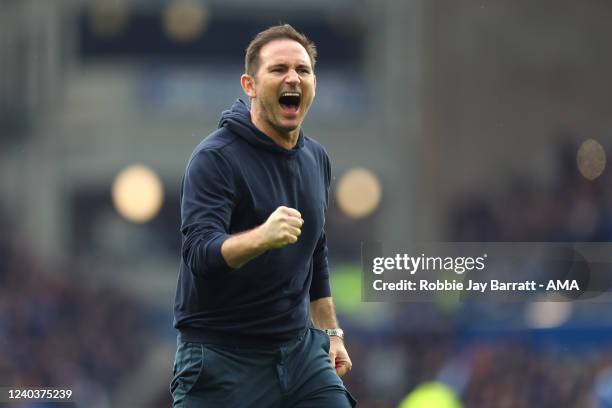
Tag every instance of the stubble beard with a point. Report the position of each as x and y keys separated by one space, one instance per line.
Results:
x=268 y=115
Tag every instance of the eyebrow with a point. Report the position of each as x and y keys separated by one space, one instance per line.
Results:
x=284 y=65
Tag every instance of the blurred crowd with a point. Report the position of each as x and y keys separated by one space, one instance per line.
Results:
x=511 y=373
x=571 y=209
x=58 y=331
x=522 y=376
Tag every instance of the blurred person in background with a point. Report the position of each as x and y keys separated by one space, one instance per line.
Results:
x=256 y=321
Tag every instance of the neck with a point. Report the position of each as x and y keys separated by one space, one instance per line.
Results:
x=286 y=140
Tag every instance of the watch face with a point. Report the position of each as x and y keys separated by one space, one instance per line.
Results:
x=335 y=332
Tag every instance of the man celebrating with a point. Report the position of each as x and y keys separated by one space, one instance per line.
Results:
x=256 y=321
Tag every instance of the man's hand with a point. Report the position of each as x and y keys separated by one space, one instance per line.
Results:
x=283 y=227
x=323 y=316
x=338 y=355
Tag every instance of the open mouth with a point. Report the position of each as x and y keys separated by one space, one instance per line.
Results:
x=290 y=102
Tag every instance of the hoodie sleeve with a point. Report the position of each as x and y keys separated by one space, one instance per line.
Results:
x=207 y=201
x=320 y=287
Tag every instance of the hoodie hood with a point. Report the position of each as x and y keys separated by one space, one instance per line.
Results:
x=238 y=120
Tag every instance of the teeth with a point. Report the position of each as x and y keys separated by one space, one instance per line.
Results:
x=290 y=94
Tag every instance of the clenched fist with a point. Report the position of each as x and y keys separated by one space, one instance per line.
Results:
x=283 y=227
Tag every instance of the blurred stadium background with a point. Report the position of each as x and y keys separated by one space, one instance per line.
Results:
x=445 y=120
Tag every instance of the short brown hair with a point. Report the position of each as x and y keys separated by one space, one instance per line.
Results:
x=279 y=32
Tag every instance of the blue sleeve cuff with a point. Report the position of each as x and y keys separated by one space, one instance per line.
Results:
x=320 y=288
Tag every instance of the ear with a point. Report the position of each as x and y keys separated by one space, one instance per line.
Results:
x=248 y=85
x=315 y=83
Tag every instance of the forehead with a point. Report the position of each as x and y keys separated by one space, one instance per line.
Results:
x=283 y=51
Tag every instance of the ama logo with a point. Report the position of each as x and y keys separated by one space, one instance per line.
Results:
x=558 y=285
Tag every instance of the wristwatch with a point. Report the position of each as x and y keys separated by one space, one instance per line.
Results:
x=338 y=332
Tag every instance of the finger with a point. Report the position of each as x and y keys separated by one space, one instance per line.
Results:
x=295 y=221
x=342 y=369
x=291 y=211
x=296 y=232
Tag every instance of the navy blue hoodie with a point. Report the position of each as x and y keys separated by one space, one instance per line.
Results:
x=235 y=178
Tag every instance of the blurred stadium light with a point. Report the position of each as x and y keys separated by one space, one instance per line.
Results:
x=546 y=315
x=358 y=192
x=591 y=159
x=184 y=20
x=138 y=193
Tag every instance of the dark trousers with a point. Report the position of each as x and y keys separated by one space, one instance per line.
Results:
x=296 y=375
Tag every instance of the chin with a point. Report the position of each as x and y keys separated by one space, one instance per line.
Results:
x=288 y=127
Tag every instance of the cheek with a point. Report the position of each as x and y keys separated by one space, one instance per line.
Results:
x=269 y=96
x=311 y=93
x=263 y=96
x=310 y=98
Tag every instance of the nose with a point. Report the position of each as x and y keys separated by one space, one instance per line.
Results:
x=292 y=77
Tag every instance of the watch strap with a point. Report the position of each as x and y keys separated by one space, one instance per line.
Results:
x=338 y=332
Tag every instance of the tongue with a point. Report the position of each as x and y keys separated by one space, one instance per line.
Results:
x=289 y=109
